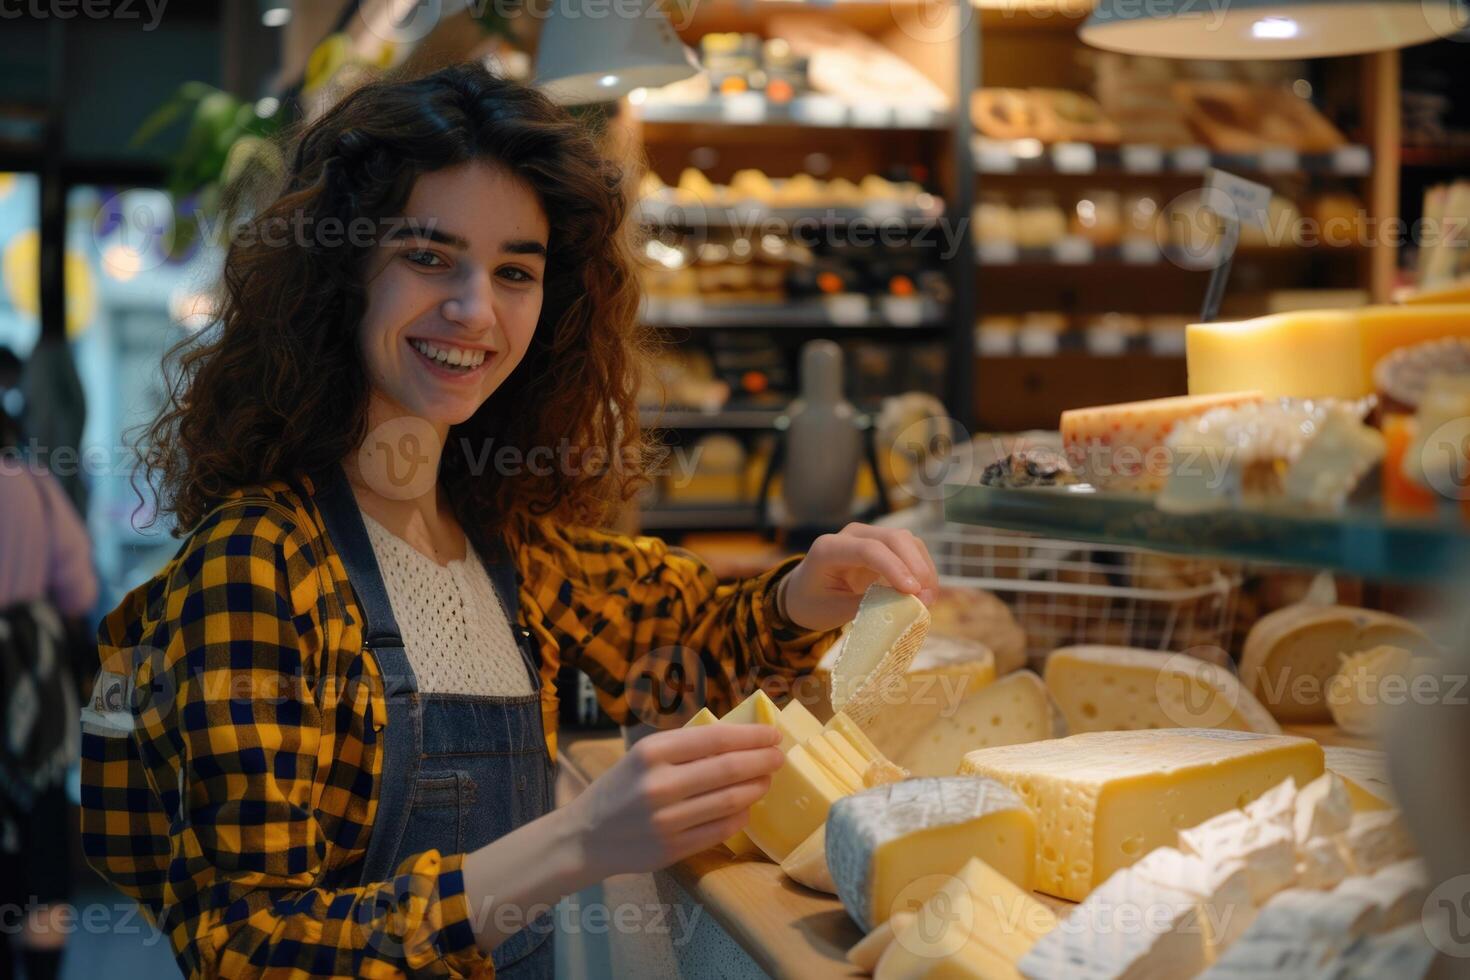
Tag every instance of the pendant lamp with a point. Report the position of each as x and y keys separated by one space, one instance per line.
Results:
x=597 y=52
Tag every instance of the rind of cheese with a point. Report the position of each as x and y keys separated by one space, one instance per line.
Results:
x=880 y=644
x=933 y=741
x=1267 y=848
x=1105 y=799
x=1354 y=695
x=1365 y=773
x=1121 y=447
x=1290 y=655
x=894 y=844
x=807 y=864
x=1320 y=864
x=1102 y=688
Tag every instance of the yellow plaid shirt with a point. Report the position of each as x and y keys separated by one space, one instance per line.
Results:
x=231 y=751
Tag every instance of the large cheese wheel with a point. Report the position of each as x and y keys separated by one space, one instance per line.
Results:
x=1291 y=654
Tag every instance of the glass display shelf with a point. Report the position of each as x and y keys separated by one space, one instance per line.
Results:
x=1359 y=541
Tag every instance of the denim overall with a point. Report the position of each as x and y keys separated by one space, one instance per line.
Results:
x=458 y=771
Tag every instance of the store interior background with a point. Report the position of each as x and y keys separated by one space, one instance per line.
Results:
x=1004 y=342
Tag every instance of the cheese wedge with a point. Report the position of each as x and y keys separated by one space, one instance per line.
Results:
x=855 y=736
x=1365 y=774
x=1322 y=808
x=1290 y=655
x=1266 y=849
x=866 y=952
x=834 y=763
x=977 y=909
x=909 y=957
x=1295 y=935
x=807 y=863
x=739 y=844
x=1355 y=693
x=1320 y=865
x=1102 y=688
x=1105 y=799
x=802 y=724
x=880 y=644
x=1014 y=709
x=1398 y=891
x=890 y=847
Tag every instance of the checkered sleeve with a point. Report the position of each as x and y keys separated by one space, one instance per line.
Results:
x=247 y=773
x=627 y=607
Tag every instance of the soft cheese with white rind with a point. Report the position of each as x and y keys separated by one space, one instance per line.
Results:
x=1221 y=889
x=1104 y=688
x=1365 y=773
x=1014 y=709
x=1356 y=693
x=1322 y=808
x=1375 y=840
x=1291 y=655
x=885 y=843
x=1105 y=799
x=881 y=642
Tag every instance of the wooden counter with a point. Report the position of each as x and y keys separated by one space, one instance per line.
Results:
x=785 y=929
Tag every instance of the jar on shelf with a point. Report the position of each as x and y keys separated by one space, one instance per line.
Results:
x=1110 y=334
x=1041 y=333
x=996 y=335
x=995 y=221
x=1040 y=221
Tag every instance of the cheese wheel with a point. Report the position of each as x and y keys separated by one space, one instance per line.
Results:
x=1355 y=694
x=1290 y=655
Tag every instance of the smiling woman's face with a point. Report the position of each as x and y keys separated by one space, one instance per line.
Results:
x=453 y=296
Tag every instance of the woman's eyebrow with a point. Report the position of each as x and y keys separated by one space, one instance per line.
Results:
x=524 y=246
x=428 y=232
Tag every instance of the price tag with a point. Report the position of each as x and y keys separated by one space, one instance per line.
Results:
x=819 y=110
x=744 y=107
x=1191 y=159
x=997 y=253
x=1074 y=158
x=847 y=309
x=1140 y=251
x=914 y=116
x=1142 y=158
x=994 y=157
x=903 y=311
x=1352 y=161
x=1072 y=250
x=1280 y=160
x=1252 y=201
x=872 y=114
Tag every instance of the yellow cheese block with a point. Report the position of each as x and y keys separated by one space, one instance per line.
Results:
x=967 y=961
x=1455 y=292
x=1121 y=447
x=1311 y=353
x=1105 y=799
x=807 y=864
x=850 y=730
x=1102 y=688
x=1014 y=709
x=802 y=724
x=866 y=952
x=1290 y=655
x=832 y=762
x=796 y=804
x=739 y=844
x=1365 y=773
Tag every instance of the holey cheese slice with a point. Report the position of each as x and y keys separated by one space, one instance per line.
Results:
x=880 y=644
x=1102 y=688
x=1290 y=655
x=932 y=741
x=891 y=847
x=1105 y=799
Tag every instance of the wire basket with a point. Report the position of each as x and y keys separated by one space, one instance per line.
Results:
x=1070 y=592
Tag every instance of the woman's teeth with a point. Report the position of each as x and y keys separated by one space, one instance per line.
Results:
x=462 y=358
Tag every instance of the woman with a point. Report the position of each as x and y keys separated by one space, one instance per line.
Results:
x=320 y=743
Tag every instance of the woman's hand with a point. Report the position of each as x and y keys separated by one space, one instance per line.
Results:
x=674 y=794
x=823 y=592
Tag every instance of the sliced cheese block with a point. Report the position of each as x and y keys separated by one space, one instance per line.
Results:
x=1014 y=709
x=1355 y=694
x=739 y=844
x=802 y=724
x=1121 y=447
x=834 y=763
x=866 y=952
x=850 y=730
x=1322 y=808
x=1375 y=840
x=1103 y=688
x=807 y=863
x=1365 y=773
x=1320 y=865
x=795 y=805
x=1105 y=799
x=889 y=847
x=1291 y=654
x=1266 y=848
x=910 y=957
x=880 y=644
x=1221 y=891
x=1129 y=927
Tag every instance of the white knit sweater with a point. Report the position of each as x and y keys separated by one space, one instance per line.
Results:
x=454 y=627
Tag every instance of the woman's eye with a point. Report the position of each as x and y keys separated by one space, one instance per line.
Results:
x=517 y=275
x=423 y=257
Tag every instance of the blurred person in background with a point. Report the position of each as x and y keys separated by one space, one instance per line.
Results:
x=46 y=579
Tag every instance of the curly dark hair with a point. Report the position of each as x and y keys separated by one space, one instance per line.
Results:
x=277 y=387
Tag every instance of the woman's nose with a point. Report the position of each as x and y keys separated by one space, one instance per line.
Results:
x=472 y=305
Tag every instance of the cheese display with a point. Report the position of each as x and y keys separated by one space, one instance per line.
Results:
x=880 y=644
x=1121 y=447
x=933 y=740
x=1100 y=688
x=979 y=918
x=1365 y=774
x=894 y=844
x=1291 y=654
x=1356 y=693
x=1105 y=799
x=1311 y=353
x=1301 y=453
x=807 y=863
